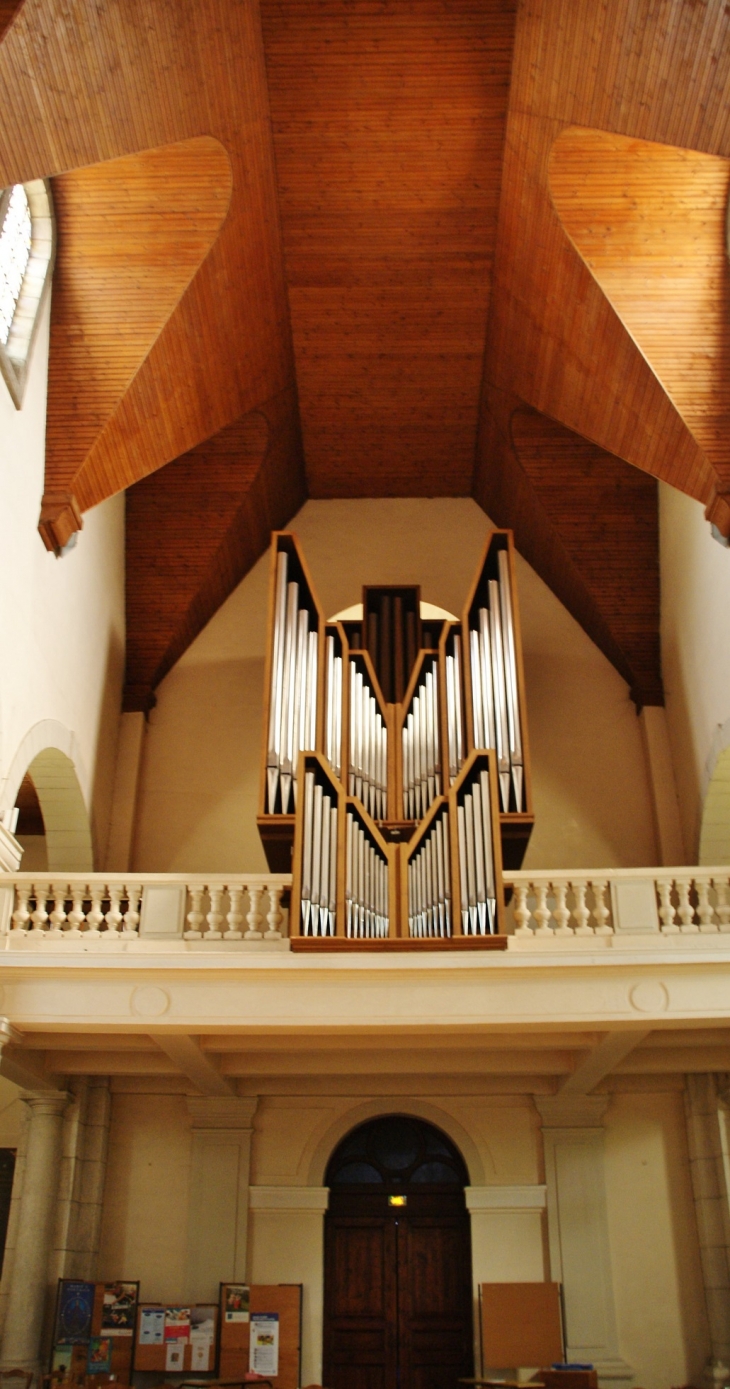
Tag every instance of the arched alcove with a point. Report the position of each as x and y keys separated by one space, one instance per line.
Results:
x=51 y=784
x=715 y=831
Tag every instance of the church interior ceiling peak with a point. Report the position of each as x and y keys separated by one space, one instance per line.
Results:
x=402 y=248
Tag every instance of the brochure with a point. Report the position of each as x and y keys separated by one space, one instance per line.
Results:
x=264 y=1344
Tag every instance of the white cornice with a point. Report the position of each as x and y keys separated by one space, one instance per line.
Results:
x=522 y=1199
x=288 y=1198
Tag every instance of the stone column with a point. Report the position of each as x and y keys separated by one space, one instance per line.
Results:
x=219 y=1178
x=701 y=1101
x=580 y=1259
x=27 y=1292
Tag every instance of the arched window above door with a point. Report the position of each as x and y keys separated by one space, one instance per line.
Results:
x=395 y=1151
x=27 y=246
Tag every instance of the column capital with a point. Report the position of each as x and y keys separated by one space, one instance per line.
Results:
x=221 y=1112
x=572 y=1111
x=45 y=1101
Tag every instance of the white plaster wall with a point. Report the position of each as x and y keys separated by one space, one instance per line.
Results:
x=695 y=627
x=200 y=776
x=660 y=1308
x=61 y=621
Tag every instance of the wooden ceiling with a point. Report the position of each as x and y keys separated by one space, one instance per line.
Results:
x=380 y=247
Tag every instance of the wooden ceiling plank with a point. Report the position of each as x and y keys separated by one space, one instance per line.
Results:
x=82 y=84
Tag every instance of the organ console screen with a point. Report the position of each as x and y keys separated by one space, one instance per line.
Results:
x=395 y=777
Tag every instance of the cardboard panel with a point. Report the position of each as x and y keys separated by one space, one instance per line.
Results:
x=521 y=1324
x=153 y=1358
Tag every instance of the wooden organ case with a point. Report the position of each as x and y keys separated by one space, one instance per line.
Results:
x=395 y=778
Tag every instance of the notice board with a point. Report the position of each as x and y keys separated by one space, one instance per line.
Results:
x=177 y=1339
x=521 y=1324
x=93 y=1340
x=280 y=1299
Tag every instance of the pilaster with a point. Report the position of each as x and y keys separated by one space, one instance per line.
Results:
x=580 y=1258
x=219 y=1192
x=711 y=1209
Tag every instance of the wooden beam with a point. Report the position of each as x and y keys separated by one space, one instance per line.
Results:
x=187 y=1056
x=603 y=1059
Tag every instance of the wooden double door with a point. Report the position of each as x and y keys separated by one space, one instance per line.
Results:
x=398 y=1302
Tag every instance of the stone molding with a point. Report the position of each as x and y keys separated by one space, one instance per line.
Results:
x=220 y=1112
x=515 y=1199
x=288 y=1198
x=572 y=1111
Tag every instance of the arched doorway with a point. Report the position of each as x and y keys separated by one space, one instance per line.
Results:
x=397 y=1283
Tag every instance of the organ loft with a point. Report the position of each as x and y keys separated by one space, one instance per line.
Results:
x=395 y=775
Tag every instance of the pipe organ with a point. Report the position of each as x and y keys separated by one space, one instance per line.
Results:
x=395 y=778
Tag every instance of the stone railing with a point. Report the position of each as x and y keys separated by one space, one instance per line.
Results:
x=618 y=903
x=114 y=910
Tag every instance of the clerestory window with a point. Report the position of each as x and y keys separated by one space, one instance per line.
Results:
x=27 y=246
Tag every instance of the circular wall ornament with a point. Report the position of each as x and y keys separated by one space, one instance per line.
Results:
x=149 y=1001
x=649 y=996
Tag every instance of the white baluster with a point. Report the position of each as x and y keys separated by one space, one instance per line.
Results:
x=542 y=911
x=195 y=916
x=131 y=917
x=666 y=908
x=686 y=910
x=600 y=910
x=113 y=917
x=21 y=915
x=562 y=911
x=274 y=916
x=722 y=906
x=254 y=918
x=76 y=916
x=708 y=925
x=580 y=910
x=234 y=916
x=95 y=916
x=40 y=916
x=215 y=916
x=58 y=915
x=522 y=912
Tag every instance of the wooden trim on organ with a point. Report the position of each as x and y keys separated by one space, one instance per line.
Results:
x=413 y=862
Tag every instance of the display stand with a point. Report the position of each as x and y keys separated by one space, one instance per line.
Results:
x=94 y=1333
x=281 y=1300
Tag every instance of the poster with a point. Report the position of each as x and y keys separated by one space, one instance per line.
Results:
x=175 y=1355
x=75 y=1307
x=119 y=1309
x=236 y=1303
x=152 y=1326
x=177 y=1324
x=99 y=1361
x=62 y=1360
x=264 y=1344
x=202 y=1337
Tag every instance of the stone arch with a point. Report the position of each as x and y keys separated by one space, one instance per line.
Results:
x=715 y=828
x=325 y=1144
x=49 y=755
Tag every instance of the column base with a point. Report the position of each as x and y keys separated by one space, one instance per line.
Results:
x=613 y=1371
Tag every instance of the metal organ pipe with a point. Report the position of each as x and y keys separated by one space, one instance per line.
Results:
x=429 y=883
x=494 y=688
x=366 y=884
x=453 y=707
x=368 y=772
x=319 y=859
x=421 y=753
x=476 y=859
x=293 y=694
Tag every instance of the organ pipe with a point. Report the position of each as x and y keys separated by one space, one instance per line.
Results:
x=494 y=685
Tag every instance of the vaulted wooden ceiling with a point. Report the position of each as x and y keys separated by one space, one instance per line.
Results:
x=380 y=247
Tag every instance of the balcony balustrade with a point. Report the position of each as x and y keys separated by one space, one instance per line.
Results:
x=546 y=911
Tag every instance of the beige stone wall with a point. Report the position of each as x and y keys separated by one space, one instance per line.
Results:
x=656 y=1273
x=200 y=773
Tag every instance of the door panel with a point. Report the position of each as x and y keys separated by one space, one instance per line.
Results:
x=398 y=1299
